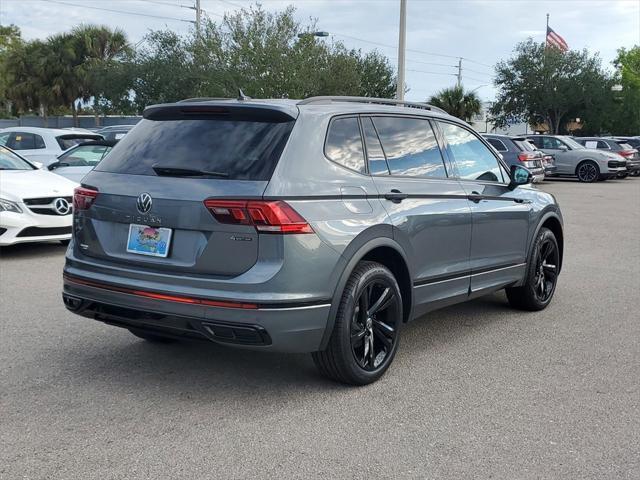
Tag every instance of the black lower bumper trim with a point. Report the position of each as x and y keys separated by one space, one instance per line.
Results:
x=174 y=326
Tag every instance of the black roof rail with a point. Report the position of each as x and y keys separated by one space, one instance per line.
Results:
x=378 y=101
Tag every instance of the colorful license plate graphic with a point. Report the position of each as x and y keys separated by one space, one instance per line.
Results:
x=146 y=240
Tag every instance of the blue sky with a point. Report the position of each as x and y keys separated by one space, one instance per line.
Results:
x=480 y=31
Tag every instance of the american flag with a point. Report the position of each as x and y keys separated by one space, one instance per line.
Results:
x=556 y=40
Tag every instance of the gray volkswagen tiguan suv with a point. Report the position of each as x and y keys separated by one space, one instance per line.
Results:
x=320 y=225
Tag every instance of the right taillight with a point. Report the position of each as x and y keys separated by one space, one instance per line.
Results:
x=526 y=156
x=267 y=216
x=83 y=198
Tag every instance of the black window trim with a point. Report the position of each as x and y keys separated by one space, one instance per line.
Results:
x=436 y=133
x=501 y=162
x=364 y=147
x=366 y=151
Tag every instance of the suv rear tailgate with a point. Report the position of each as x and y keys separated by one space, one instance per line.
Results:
x=235 y=149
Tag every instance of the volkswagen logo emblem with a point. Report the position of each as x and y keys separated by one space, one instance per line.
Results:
x=144 y=203
x=61 y=206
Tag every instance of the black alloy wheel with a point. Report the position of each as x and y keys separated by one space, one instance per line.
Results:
x=366 y=330
x=546 y=273
x=373 y=325
x=541 y=277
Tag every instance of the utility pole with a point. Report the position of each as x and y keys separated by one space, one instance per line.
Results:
x=198 y=17
x=401 y=49
x=459 y=72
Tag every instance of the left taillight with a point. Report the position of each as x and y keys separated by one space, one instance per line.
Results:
x=266 y=216
x=83 y=198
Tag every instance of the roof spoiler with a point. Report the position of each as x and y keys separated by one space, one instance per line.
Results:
x=218 y=109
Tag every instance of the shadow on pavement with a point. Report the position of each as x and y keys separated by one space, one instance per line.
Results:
x=32 y=250
x=209 y=370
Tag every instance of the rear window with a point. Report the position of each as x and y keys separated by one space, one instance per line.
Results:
x=68 y=142
x=244 y=150
x=497 y=144
x=525 y=145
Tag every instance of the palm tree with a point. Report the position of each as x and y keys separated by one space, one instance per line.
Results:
x=455 y=101
x=96 y=46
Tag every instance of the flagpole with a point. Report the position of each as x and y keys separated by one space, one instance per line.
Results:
x=546 y=32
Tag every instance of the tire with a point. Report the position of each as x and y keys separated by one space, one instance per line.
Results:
x=535 y=295
x=151 y=337
x=367 y=327
x=587 y=171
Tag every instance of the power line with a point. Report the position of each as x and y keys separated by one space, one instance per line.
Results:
x=120 y=11
x=431 y=73
x=476 y=71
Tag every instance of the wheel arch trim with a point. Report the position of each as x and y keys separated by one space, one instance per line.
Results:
x=544 y=218
x=363 y=244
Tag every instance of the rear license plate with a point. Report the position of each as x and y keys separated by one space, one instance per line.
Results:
x=145 y=240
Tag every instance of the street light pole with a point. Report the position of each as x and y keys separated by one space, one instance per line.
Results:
x=401 y=49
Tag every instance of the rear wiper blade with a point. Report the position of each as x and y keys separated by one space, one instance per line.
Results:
x=186 y=172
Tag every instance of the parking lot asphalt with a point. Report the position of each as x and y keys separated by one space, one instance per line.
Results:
x=476 y=391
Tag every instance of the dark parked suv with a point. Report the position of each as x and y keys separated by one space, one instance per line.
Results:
x=519 y=151
x=320 y=225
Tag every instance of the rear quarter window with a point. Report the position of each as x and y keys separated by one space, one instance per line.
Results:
x=241 y=149
x=344 y=144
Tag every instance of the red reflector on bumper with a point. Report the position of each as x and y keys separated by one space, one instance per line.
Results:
x=161 y=296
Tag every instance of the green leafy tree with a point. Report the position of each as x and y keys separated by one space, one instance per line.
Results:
x=9 y=40
x=541 y=84
x=625 y=116
x=457 y=102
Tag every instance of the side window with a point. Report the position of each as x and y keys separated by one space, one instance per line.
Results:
x=410 y=147
x=25 y=141
x=4 y=138
x=344 y=144
x=551 y=143
x=473 y=159
x=603 y=145
x=375 y=154
x=497 y=144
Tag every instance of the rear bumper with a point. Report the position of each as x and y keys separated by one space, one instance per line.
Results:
x=292 y=328
x=537 y=176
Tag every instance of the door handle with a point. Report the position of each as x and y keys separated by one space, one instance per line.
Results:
x=475 y=197
x=396 y=196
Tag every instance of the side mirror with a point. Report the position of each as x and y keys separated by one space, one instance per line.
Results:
x=563 y=148
x=519 y=176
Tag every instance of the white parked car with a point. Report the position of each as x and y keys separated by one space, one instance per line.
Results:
x=35 y=204
x=76 y=162
x=43 y=145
